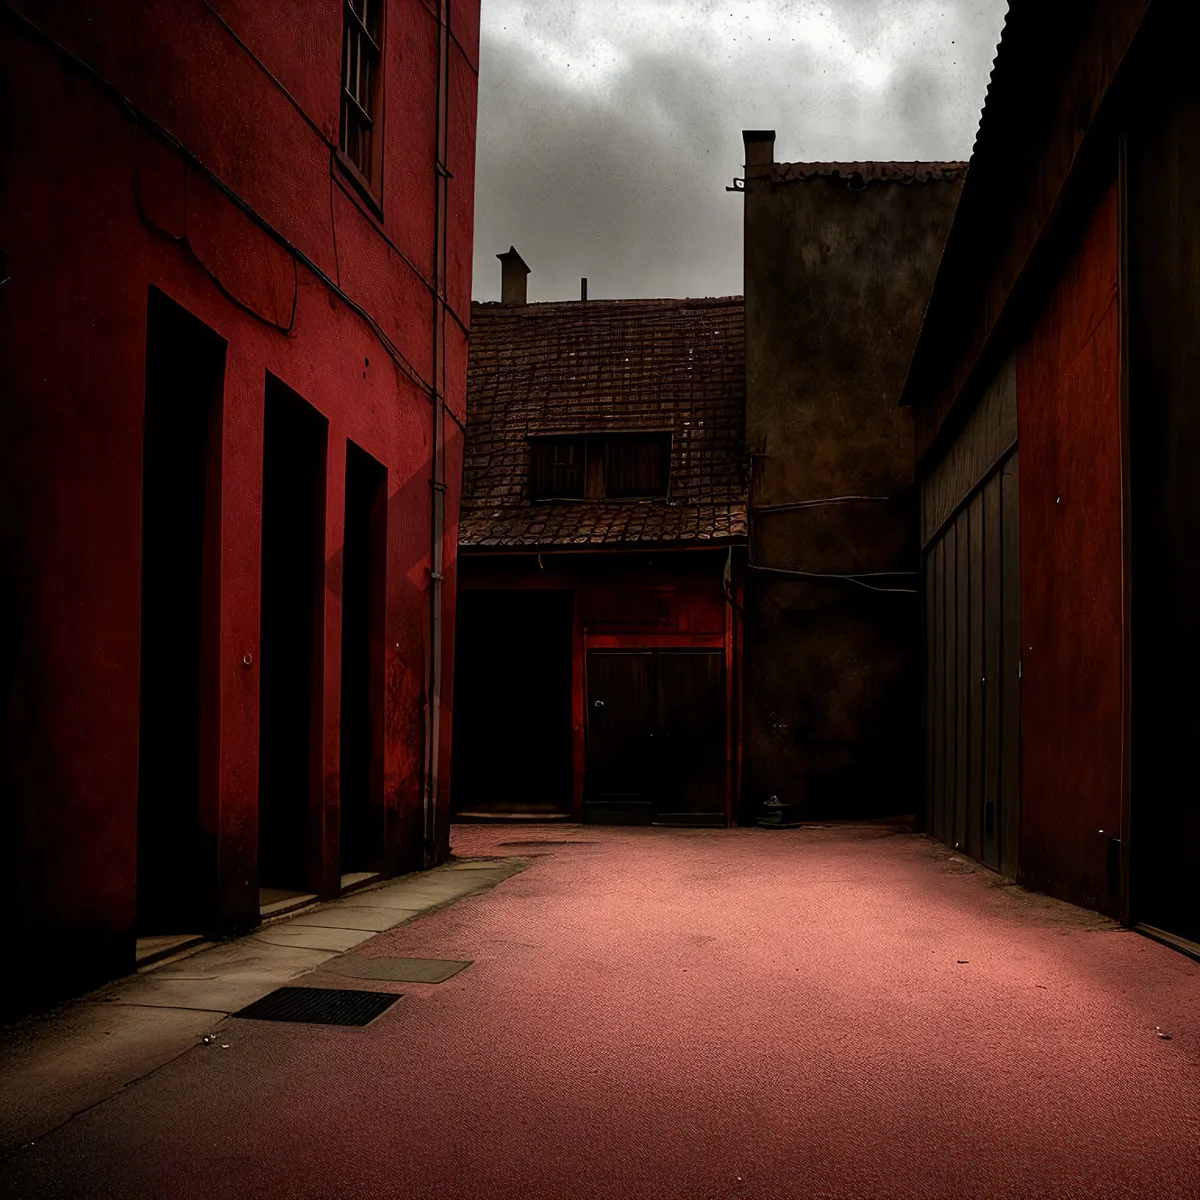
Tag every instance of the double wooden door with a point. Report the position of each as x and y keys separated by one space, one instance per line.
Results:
x=656 y=737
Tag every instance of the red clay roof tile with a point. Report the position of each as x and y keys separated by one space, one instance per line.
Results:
x=606 y=365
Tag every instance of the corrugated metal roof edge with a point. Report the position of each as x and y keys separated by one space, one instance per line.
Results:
x=1015 y=13
x=1005 y=79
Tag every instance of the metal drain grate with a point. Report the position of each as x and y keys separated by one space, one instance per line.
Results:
x=319 y=1006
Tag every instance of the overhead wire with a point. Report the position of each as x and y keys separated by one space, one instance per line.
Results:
x=855 y=579
x=798 y=504
x=334 y=180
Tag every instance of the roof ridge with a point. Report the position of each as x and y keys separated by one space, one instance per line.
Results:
x=858 y=162
x=870 y=171
x=596 y=302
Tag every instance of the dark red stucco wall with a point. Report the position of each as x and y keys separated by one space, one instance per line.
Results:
x=604 y=588
x=1069 y=419
x=98 y=206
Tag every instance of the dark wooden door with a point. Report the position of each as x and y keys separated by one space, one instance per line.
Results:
x=690 y=739
x=622 y=722
x=656 y=737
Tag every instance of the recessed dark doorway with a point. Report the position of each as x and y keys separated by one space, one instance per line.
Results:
x=512 y=703
x=363 y=600
x=293 y=543
x=176 y=848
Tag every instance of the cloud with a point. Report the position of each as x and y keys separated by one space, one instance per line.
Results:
x=608 y=132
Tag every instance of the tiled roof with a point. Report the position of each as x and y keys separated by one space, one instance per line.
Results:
x=597 y=365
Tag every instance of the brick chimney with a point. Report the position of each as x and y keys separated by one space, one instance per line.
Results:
x=760 y=151
x=513 y=279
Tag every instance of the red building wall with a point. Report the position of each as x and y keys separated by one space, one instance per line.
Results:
x=192 y=148
x=610 y=602
x=1069 y=422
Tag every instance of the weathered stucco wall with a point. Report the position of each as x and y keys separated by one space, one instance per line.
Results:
x=100 y=207
x=838 y=270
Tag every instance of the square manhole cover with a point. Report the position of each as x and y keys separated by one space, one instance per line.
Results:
x=398 y=970
x=319 y=1006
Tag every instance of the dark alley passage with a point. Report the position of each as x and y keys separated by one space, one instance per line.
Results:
x=825 y=1011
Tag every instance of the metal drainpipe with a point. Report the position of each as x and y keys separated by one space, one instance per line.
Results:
x=437 y=485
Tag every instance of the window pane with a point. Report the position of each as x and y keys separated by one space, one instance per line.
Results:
x=637 y=464
x=368 y=12
x=360 y=68
x=557 y=467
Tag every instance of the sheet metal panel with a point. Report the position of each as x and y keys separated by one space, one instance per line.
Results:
x=993 y=627
x=973 y=841
x=939 y=700
x=931 y=630
x=973 y=700
x=988 y=434
x=1010 y=658
x=959 y=537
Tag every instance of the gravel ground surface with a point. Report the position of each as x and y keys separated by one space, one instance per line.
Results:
x=816 y=1012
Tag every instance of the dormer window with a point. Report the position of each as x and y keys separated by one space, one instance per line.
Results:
x=636 y=464
x=609 y=466
x=559 y=468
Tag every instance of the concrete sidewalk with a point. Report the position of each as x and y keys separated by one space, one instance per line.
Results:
x=58 y=1064
x=840 y=1012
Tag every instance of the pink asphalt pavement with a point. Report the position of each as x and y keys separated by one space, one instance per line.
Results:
x=838 y=1012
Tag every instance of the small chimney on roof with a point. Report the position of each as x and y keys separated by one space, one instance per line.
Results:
x=513 y=279
x=760 y=151
x=583 y=288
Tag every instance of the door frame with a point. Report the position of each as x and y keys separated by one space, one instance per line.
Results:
x=632 y=643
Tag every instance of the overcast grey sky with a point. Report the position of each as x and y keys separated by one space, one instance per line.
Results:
x=609 y=129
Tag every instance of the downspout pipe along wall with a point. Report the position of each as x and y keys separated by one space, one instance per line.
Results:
x=437 y=485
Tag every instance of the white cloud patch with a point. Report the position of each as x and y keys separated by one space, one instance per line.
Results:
x=609 y=130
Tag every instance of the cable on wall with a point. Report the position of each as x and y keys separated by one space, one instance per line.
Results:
x=262 y=66
x=798 y=504
x=183 y=242
x=169 y=139
x=855 y=579
x=333 y=149
x=727 y=583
